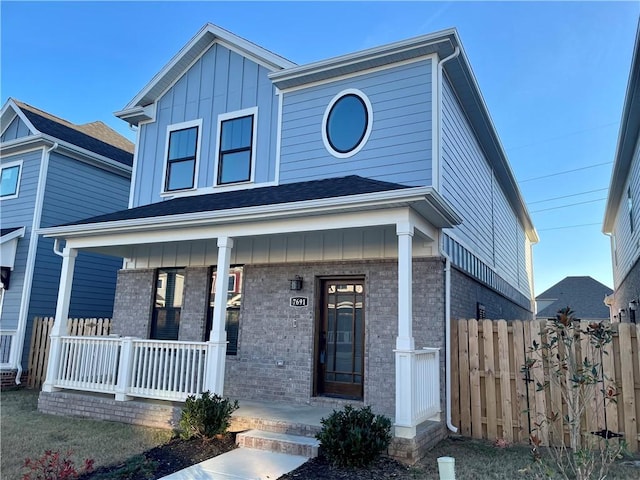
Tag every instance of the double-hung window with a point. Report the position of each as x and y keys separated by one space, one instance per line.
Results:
x=236 y=146
x=182 y=156
x=10 y=179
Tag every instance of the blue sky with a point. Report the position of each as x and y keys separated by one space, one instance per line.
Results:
x=553 y=75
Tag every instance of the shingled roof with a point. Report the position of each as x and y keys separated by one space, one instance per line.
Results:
x=584 y=295
x=96 y=137
x=254 y=197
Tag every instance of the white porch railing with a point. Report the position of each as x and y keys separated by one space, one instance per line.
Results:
x=426 y=384
x=128 y=367
x=6 y=343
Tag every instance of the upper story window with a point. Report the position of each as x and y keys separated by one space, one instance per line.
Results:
x=236 y=146
x=347 y=122
x=10 y=180
x=181 y=165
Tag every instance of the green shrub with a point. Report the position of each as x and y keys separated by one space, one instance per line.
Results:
x=354 y=437
x=206 y=415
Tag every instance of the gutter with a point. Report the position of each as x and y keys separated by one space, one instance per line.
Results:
x=447 y=268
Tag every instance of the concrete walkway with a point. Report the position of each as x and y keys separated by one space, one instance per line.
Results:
x=241 y=464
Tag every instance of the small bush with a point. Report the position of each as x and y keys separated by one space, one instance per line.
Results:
x=206 y=416
x=354 y=437
x=54 y=466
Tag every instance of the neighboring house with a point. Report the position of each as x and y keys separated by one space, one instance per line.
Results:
x=621 y=219
x=53 y=172
x=333 y=194
x=584 y=295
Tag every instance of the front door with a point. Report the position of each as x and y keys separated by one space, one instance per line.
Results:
x=340 y=340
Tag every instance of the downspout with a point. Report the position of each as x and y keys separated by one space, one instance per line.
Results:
x=33 y=247
x=447 y=268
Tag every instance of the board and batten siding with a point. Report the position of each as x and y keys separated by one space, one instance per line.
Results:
x=18 y=212
x=399 y=147
x=627 y=242
x=220 y=81
x=335 y=245
x=16 y=129
x=490 y=228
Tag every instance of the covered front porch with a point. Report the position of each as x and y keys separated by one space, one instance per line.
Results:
x=126 y=368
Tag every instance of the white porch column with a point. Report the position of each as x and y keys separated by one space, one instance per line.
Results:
x=62 y=314
x=217 y=345
x=405 y=343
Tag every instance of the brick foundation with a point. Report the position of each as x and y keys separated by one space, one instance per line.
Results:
x=8 y=380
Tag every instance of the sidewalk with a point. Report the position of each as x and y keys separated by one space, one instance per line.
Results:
x=241 y=464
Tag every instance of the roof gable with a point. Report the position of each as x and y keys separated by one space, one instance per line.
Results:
x=584 y=295
x=136 y=111
x=95 y=137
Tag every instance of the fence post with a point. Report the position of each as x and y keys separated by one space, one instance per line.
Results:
x=124 y=369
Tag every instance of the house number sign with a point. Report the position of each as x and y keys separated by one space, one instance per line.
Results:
x=299 y=301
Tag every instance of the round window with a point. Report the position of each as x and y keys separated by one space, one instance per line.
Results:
x=347 y=123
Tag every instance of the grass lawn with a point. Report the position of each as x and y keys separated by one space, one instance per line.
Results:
x=27 y=433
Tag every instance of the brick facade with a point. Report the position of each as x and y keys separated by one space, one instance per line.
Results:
x=628 y=290
x=194 y=306
x=135 y=290
x=467 y=292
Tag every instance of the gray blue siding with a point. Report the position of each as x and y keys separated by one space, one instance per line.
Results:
x=16 y=129
x=399 y=147
x=220 y=81
x=490 y=228
x=18 y=212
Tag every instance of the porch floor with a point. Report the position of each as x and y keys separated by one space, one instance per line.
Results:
x=296 y=414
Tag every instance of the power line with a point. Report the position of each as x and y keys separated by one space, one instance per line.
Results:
x=570 y=134
x=567 y=196
x=566 y=171
x=570 y=226
x=569 y=205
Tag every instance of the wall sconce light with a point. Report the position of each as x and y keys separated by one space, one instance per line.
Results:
x=633 y=304
x=295 y=283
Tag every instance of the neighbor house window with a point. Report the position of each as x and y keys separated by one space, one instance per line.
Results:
x=165 y=322
x=10 y=179
x=234 y=302
x=236 y=146
x=182 y=156
x=347 y=123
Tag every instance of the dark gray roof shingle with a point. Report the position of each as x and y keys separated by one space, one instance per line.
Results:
x=273 y=195
x=584 y=295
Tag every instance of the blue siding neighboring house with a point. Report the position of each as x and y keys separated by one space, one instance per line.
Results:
x=621 y=220
x=53 y=172
x=358 y=204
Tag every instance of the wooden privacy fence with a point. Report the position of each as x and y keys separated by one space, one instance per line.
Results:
x=39 y=350
x=492 y=398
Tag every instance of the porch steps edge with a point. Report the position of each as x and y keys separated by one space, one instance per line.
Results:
x=239 y=424
x=279 y=443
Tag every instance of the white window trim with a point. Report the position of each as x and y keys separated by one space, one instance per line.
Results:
x=172 y=128
x=360 y=94
x=254 y=135
x=9 y=165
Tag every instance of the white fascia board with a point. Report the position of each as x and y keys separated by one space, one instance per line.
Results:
x=19 y=233
x=137 y=115
x=24 y=144
x=88 y=156
x=320 y=207
x=247 y=228
x=389 y=50
x=5 y=114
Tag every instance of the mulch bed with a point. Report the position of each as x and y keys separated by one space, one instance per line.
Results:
x=165 y=459
x=320 y=468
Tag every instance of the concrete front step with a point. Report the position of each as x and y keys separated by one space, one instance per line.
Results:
x=279 y=442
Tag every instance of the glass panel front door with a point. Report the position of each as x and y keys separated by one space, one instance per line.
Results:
x=341 y=339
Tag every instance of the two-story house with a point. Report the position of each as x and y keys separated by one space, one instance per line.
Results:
x=353 y=205
x=621 y=220
x=53 y=172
